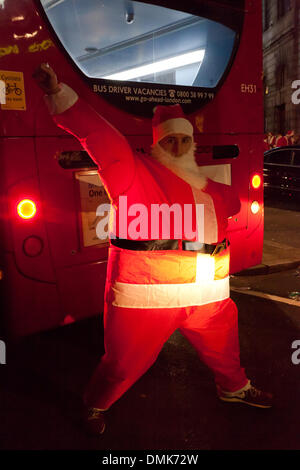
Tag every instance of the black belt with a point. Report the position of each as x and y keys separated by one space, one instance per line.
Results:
x=151 y=245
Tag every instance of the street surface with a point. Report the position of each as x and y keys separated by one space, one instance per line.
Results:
x=174 y=405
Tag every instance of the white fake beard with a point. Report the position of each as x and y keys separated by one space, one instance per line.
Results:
x=184 y=166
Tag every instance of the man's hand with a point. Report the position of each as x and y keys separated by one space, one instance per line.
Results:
x=46 y=78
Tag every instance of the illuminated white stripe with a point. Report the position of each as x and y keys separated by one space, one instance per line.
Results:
x=160 y=66
x=169 y=295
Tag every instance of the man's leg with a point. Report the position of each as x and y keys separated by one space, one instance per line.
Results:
x=133 y=340
x=213 y=331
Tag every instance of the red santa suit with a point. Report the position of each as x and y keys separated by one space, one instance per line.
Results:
x=150 y=294
x=272 y=141
x=290 y=136
x=281 y=141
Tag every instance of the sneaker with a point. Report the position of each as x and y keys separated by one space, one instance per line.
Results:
x=94 y=421
x=251 y=396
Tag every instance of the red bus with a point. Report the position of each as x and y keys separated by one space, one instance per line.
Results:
x=124 y=58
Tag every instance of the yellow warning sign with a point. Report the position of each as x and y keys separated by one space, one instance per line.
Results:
x=14 y=96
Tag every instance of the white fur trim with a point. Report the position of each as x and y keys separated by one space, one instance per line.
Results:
x=141 y=296
x=172 y=126
x=59 y=102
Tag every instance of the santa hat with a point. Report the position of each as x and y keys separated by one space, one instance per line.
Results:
x=290 y=133
x=169 y=120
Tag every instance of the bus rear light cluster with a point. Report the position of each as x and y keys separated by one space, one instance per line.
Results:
x=26 y=209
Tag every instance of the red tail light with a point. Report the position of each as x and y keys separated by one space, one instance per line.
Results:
x=26 y=209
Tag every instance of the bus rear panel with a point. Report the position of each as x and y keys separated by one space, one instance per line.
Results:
x=124 y=58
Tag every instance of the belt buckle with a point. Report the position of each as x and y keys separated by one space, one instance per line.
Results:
x=219 y=248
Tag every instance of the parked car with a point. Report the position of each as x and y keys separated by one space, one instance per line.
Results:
x=282 y=172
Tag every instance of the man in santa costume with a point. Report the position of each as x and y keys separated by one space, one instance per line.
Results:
x=290 y=136
x=281 y=141
x=157 y=285
x=266 y=143
x=271 y=140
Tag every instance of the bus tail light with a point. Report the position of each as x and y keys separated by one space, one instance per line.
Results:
x=256 y=181
x=26 y=209
x=255 y=207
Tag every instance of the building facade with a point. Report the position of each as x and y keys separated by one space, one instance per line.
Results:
x=281 y=45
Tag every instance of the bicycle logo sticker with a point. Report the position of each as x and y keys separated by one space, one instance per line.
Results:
x=14 y=90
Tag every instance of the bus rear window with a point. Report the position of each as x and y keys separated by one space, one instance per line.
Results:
x=134 y=41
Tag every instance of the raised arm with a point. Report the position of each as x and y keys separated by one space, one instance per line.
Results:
x=106 y=145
